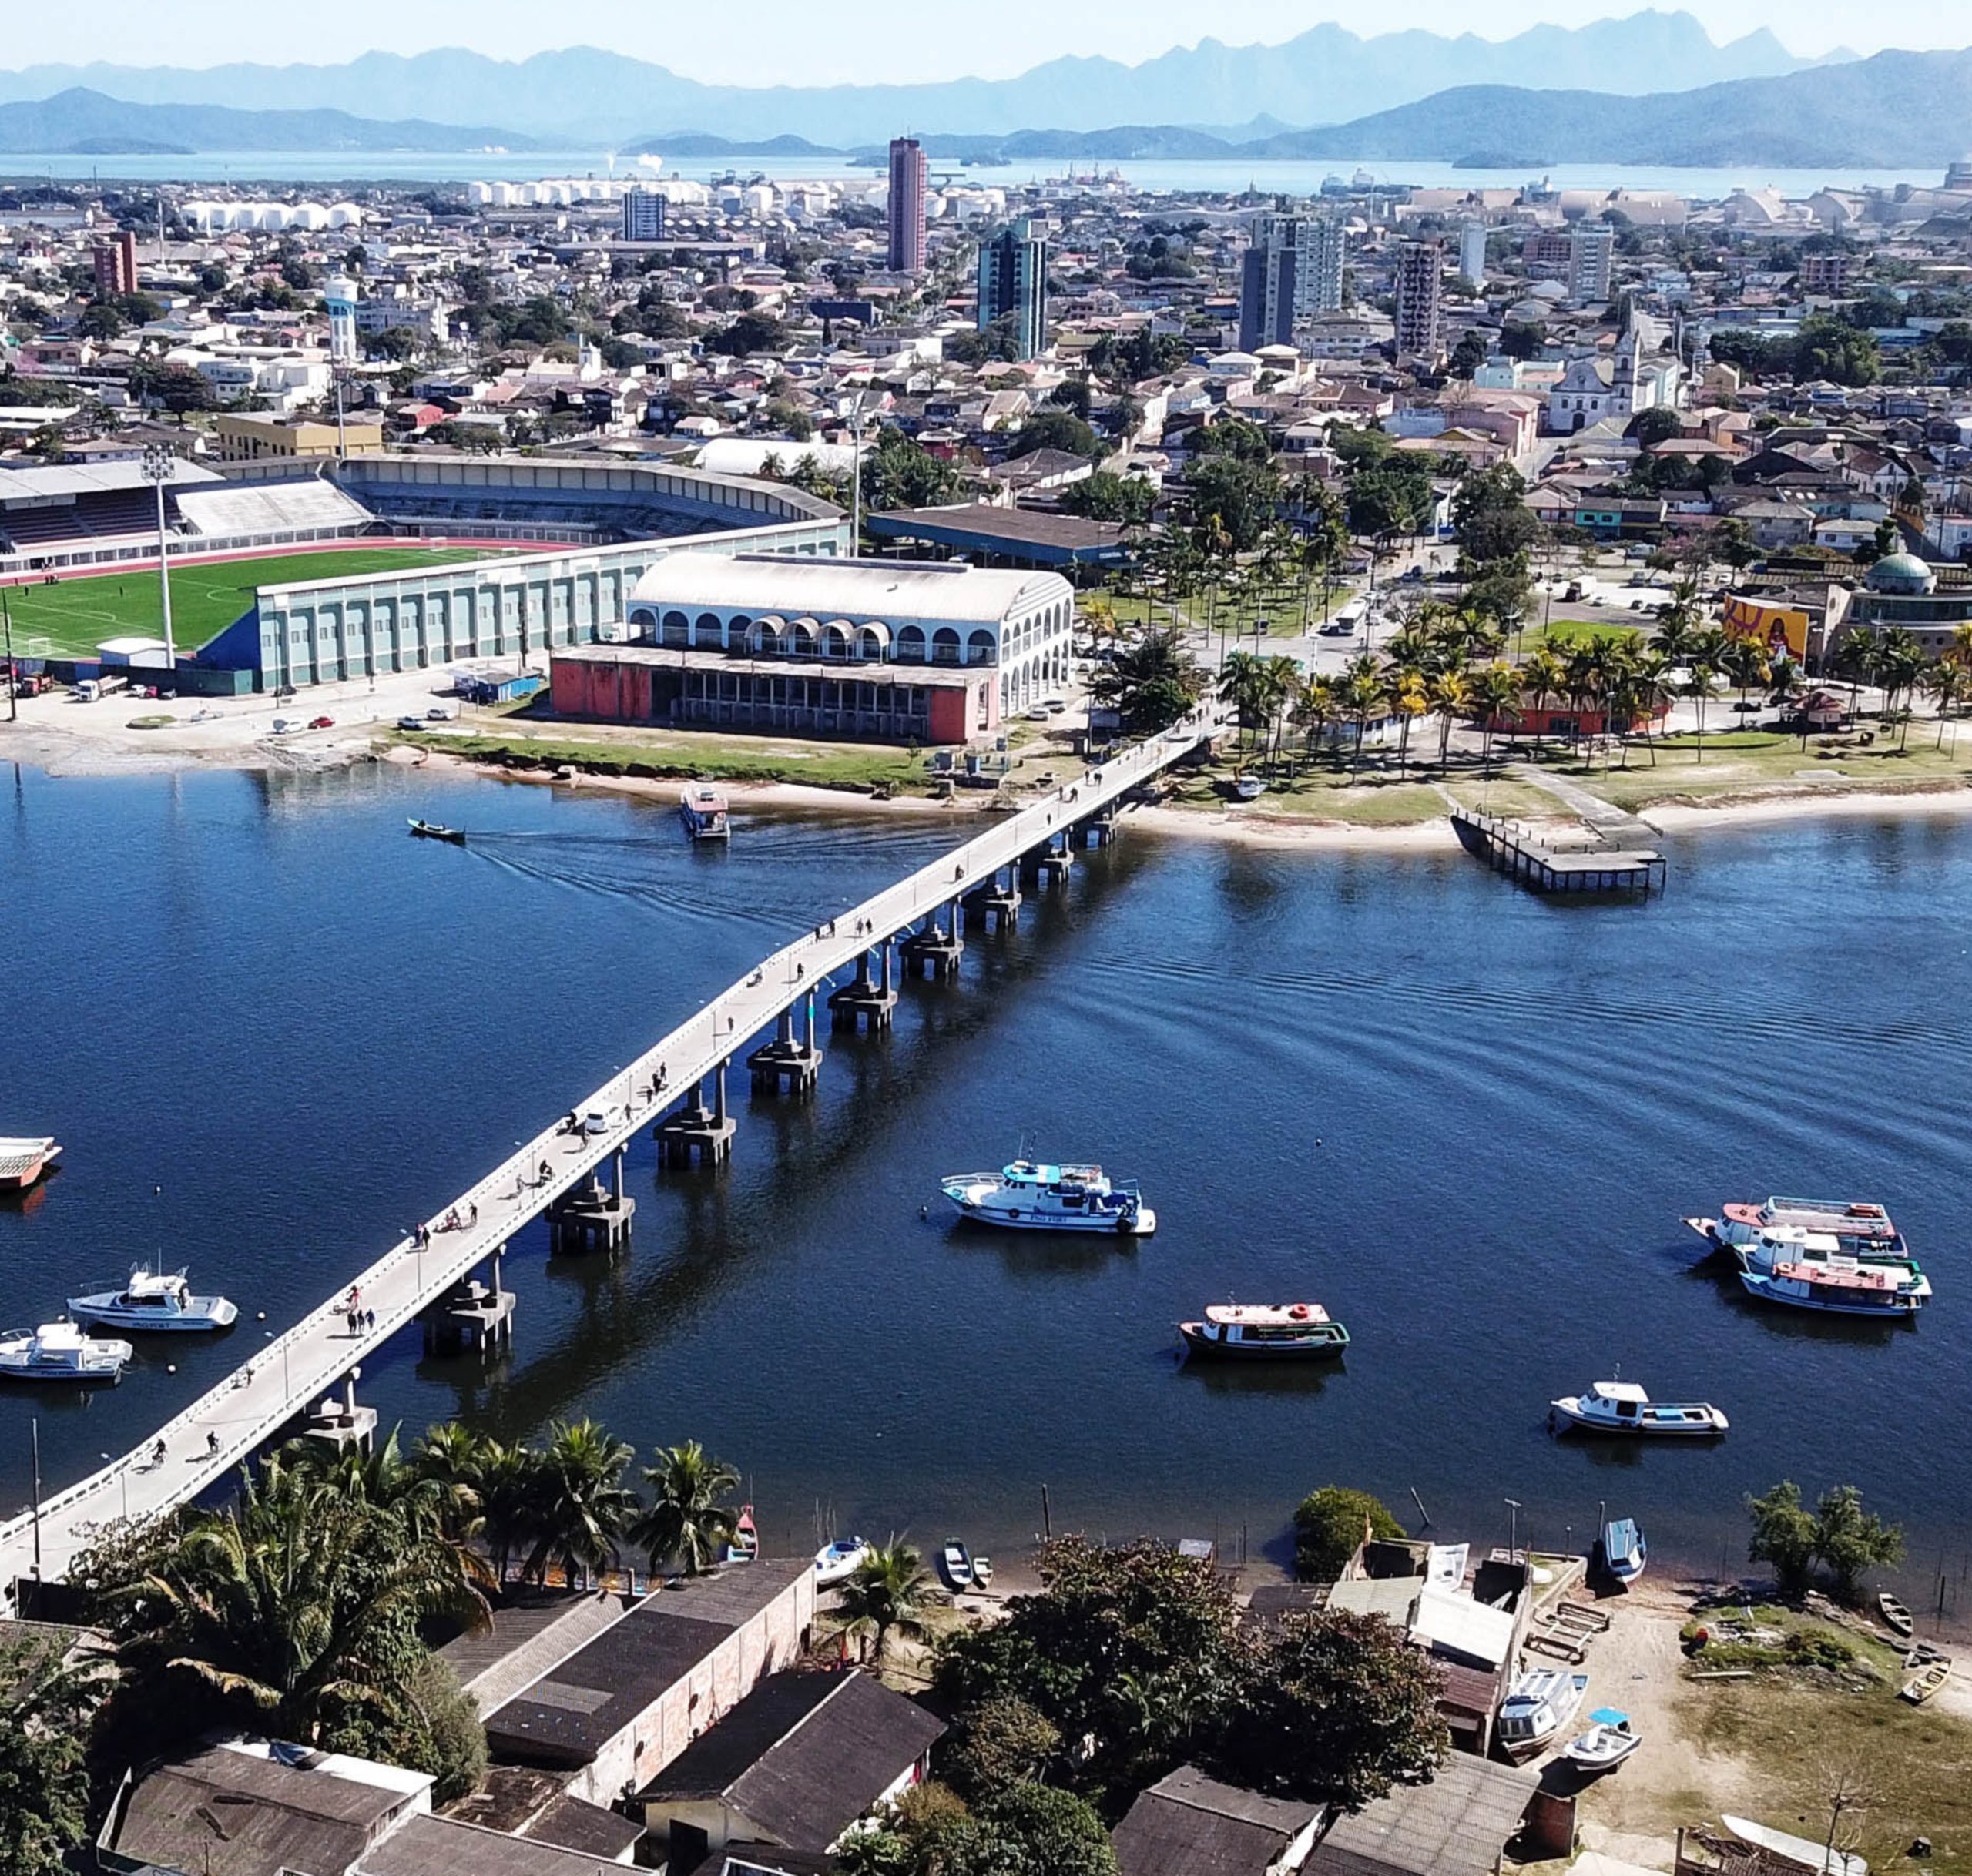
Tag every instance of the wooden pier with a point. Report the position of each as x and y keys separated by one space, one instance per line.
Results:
x=1544 y=867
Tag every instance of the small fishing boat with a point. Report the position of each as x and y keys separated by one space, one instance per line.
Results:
x=746 y=1544
x=1895 y=1616
x=982 y=1571
x=839 y=1560
x=1542 y=1700
x=955 y=1565
x=25 y=1160
x=433 y=830
x=1248 y=788
x=1028 y=1196
x=703 y=808
x=160 y=1301
x=1623 y=1407
x=1926 y=1682
x=1247 y=1331
x=1803 y=1853
x=1610 y=1740
x=1622 y=1551
x=61 y=1352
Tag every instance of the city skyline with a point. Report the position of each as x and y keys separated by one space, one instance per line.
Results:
x=797 y=47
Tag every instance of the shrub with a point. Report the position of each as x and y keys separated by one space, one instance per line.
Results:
x=1328 y=1526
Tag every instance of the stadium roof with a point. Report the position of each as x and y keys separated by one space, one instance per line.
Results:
x=794 y=587
x=67 y=481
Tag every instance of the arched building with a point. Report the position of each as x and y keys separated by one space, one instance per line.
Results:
x=881 y=650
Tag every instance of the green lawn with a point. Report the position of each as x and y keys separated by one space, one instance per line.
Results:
x=1320 y=792
x=1562 y=633
x=76 y=615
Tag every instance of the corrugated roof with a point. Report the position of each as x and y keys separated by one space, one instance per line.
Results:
x=1188 y=1824
x=441 y=1846
x=944 y=592
x=1456 y=1825
x=58 y=480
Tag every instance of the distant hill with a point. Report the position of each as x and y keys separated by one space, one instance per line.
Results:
x=587 y=98
x=697 y=144
x=82 y=122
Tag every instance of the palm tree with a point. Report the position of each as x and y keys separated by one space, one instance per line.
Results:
x=890 y=1593
x=1746 y=663
x=1700 y=673
x=1678 y=624
x=1544 y=675
x=1282 y=684
x=1412 y=699
x=1314 y=709
x=1900 y=662
x=580 y=1502
x=1948 y=681
x=1855 y=658
x=1450 y=696
x=1495 y=690
x=687 y=1521
x=382 y=1478
x=1364 y=694
x=1241 y=680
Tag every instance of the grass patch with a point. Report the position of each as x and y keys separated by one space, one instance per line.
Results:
x=1320 y=794
x=1517 y=801
x=1563 y=633
x=77 y=614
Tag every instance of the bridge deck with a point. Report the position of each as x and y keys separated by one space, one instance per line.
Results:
x=310 y=1361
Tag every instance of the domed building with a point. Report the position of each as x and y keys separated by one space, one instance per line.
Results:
x=1902 y=574
x=1903 y=589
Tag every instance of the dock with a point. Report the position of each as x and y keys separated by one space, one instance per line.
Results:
x=573 y=1176
x=1546 y=865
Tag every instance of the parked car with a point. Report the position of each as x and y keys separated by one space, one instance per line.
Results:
x=410 y=723
x=1038 y=714
x=283 y=725
x=438 y=714
x=321 y=722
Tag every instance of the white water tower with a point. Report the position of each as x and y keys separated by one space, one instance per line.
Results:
x=340 y=297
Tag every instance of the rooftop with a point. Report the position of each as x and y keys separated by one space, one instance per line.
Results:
x=1456 y=1825
x=941 y=591
x=1188 y=1824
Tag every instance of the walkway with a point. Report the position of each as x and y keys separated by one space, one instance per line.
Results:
x=1615 y=824
x=311 y=1360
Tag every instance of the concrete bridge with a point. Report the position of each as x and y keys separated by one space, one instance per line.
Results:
x=305 y=1379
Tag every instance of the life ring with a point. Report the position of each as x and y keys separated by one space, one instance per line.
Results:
x=1300 y=1312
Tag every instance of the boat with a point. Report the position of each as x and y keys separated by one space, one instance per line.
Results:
x=1623 y=1407
x=955 y=1565
x=1861 y=1220
x=1809 y=1854
x=746 y=1544
x=1610 y=1740
x=1028 y=1196
x=1248 y=788
x=1621 y=1550
x=1840 y=1286
x=1249 y=1332
x=1925 y=1682
x=61 y=1352
x=23 y=1160
x=982 y=1571
x=1541 y=1702
x=1895 y=1615
x=703 y=808
x=434 y=830
x=160 y=1301
x=839 y=1560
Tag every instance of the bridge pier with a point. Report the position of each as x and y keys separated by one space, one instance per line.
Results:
x=864 y=1000
x=590 y=1217
x=935 y=950
x=697 y=1129
x=997 y=906
x=471 y=1317
x=1047 y=865
x=787 y=1062
x=1099 y=830
x=340 y=1423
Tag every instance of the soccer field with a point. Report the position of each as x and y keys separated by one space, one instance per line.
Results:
x=79 y=613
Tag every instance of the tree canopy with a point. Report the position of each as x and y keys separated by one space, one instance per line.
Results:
x=1330 y=1522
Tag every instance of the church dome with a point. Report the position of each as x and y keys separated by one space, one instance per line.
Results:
x=1902 y=573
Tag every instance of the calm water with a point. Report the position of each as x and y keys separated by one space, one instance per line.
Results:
x=1465 y=1119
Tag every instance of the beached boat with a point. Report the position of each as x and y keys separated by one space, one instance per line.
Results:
x=1861 y=1220
x=955 y=1565
x=1610 y=1740
x=1260 y=1331
x=1839 y=1286
x=1809 y=1855
x=982 y=1570
x=160 y=1301
x=703 y=808
x=1542 y=1700
x=837 y=1561
x=61 y=1352
x=1898 y=1618
x=434 y=830
x=746 y=1544
x=1248 y=788
x=1028 y=1196
x=1926 y=1682
x=1623 y=1407
x=1622 y=1551
x=25 y=1160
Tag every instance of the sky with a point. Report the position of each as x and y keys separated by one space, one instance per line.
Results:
x=797 y=42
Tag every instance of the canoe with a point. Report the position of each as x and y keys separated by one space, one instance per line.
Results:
x=1925 y=1682
x=1894 y=1612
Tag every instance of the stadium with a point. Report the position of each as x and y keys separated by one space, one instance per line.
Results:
x=312 y=574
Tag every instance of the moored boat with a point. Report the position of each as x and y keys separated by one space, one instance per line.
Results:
x=1861 y=1223
x=955 y=1565
x=1028 y=1196
x=1839 y=1286
x=703 y=810
x=839 y=1560
x=434 y=830
x=1622 y=1551
x=1623 y=1407
x=1896 y=1615
x=746 y=1544
x=61 y=1352
x=1610 y=1740
x=162 y=1300
x=1247 y=1331
x=982 y=1571
x=1542 y=1700
x=25 y=1159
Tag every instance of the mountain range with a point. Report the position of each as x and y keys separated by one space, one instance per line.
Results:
x=584 y=96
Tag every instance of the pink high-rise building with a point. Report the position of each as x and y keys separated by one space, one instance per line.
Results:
x=906 y=254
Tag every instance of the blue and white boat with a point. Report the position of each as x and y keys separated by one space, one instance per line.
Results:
x=159 y=1300
x=1542 y=1700
x=1622 y=1551
x=1030 y=1196
x=1610 y=1740
x=837 y=1561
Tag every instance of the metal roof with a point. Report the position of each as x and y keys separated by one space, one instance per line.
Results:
x=69 y=481
x=944 y=592
x=1456 y=1825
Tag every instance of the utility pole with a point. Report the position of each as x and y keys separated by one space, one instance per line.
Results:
x=13 y=676
x=159 y=466
x=34 y=1436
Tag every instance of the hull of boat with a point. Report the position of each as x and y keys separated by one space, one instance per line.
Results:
x=23 y=1163
x=1140 y=1224
x=208 y=1313
x=1573 y=1421
x=1199 y=1343
x=1886 y=1308
x=1588 y=1759
x=106 y=1374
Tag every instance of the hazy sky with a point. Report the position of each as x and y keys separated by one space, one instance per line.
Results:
x=772 y=41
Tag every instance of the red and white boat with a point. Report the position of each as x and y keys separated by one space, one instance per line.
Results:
x=24 y=1161
x=1264 y=1330
x=1861 y=1226
x=703 y=808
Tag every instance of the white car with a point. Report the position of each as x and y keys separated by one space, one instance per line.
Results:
x=600 y=1119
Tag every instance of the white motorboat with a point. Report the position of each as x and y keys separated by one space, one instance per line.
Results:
x=1029 y=1196
x=837 y=1561
x=61 y=1352
x=160 y=1301
x=25 y=1160
x=703 y=808
x=1610 y=1740
x=1623 y=1407
x=1542 y=1701
x=1861 y=1223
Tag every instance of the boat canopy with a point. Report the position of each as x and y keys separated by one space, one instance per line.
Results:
x=1607 y=1716
x=1621 y=1390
